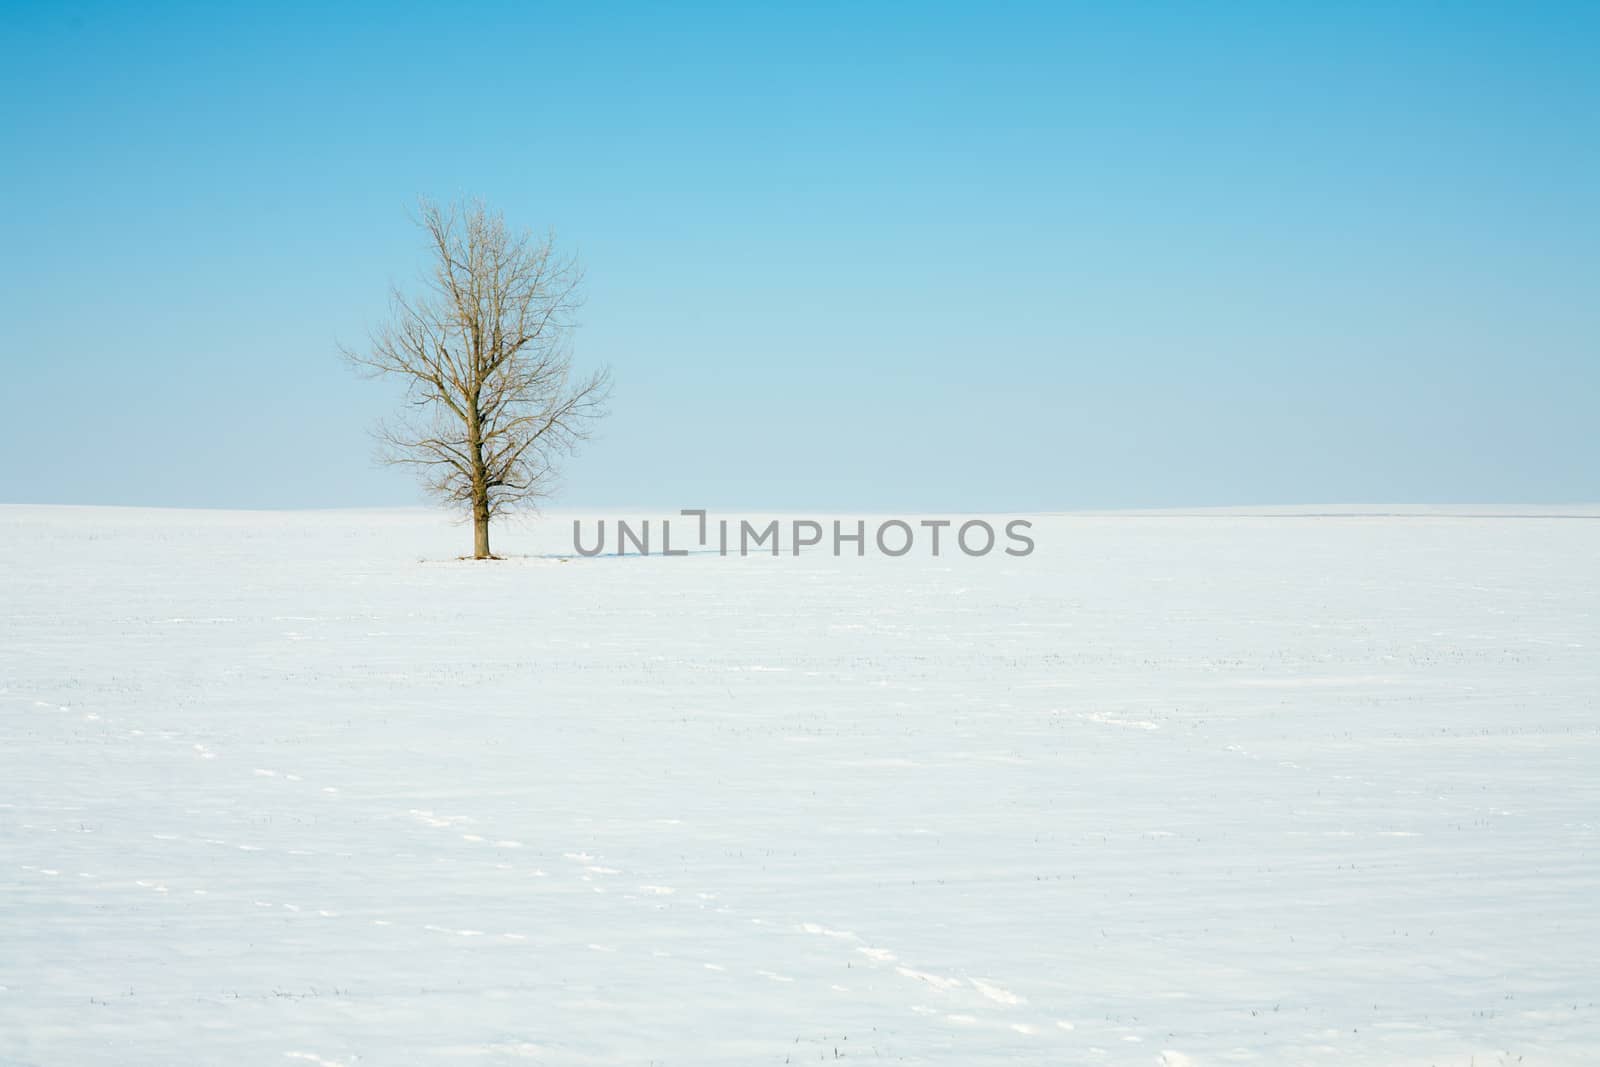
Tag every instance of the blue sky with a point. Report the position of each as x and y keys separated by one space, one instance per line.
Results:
x=1008 y=257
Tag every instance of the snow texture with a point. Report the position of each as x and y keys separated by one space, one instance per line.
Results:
x=302 y=788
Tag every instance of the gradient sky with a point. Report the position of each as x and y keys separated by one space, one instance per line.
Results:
x=909 y=256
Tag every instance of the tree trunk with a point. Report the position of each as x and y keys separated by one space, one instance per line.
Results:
x=480 y=528
x=480 y=483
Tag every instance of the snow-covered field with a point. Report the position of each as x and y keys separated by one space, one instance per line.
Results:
x=301 y=788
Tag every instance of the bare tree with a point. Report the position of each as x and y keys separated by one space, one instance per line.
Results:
x=485 y=352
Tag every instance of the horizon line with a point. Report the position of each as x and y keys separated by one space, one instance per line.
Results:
x=1462 y=510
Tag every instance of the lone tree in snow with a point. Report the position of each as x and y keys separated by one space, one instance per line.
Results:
x=485 y=352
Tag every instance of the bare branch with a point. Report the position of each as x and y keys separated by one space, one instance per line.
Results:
x=485 y=353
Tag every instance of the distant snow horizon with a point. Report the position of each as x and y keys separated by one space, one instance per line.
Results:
x=1480 y=510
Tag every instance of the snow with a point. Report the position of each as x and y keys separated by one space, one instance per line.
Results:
x=282 y=788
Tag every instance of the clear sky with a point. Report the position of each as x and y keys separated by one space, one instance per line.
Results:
x=900 y=256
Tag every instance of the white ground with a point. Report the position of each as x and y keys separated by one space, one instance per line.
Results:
x=295 y=788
